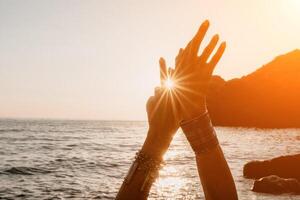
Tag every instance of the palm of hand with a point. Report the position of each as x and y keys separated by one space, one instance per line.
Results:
x=162 y=116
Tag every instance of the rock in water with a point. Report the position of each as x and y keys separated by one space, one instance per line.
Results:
x=276 y=185
x=283 y=166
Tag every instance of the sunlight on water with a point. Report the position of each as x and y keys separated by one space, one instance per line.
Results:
x=171 y=155
x=89 y=159
x=170 y=182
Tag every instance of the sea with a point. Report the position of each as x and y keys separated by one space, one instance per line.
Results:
x=75 y=159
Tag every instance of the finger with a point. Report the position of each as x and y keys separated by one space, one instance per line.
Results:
x=196 y=41
x=163 y=71
x=209 y=49
x=191 y=50
x=178 y=57
x=170 y=72
x=157 y=91
x=215 y=59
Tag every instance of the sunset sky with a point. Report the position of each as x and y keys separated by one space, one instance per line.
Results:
x=99 y=59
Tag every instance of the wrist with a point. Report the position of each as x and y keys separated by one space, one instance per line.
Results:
x=154 y=145
x=195 y=110
x=200 y=133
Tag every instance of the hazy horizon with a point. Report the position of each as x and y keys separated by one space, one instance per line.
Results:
x=98 y=60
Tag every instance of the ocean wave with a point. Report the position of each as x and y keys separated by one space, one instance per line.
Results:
x=26 y=171
x=12 y=130
x=38 y=163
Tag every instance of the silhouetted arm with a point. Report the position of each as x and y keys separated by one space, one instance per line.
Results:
x=215 y=175
x=192 y=75
x=163 y=124
x=138 y=187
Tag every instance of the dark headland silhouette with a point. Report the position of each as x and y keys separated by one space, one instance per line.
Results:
x=267 y=98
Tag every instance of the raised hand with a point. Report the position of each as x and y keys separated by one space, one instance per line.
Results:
x=167 y=108
x=192 y=73
x=163 y=116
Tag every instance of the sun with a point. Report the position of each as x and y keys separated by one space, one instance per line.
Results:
x=169 y=83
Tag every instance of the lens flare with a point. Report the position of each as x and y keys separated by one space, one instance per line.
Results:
x=169 y=83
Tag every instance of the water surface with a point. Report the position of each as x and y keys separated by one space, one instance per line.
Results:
x=59 y=159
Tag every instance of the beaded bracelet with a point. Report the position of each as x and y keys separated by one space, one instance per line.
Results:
x=146 y=163
x=200 y=133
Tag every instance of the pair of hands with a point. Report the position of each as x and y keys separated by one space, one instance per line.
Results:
x=186 y=99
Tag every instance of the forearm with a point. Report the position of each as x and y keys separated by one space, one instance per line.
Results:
x=138 y=182
x=135 y=189
x=215 y=175
x=213 y=170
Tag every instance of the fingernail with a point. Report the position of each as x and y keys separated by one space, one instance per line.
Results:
x=206 y=23
x=223 y=44
x=216 y=37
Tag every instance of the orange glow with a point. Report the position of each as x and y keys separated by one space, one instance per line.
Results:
x=169 y=83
